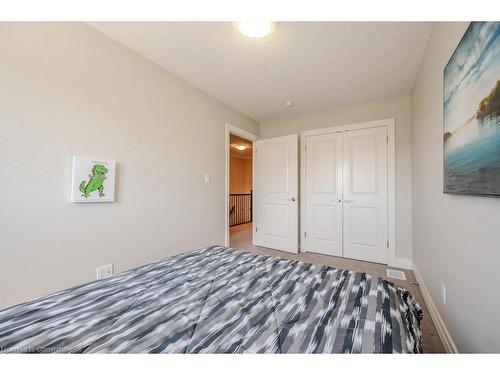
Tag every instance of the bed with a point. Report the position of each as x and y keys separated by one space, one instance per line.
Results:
x=220 y=300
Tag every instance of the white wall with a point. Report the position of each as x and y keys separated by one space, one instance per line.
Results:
x=456 y=238
x=68 y=90
x=398 y=108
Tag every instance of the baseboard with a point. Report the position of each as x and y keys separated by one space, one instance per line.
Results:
x=404 y=263
x=443 y=332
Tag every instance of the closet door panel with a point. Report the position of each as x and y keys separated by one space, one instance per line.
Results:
x=323 y=185
x=365 y=194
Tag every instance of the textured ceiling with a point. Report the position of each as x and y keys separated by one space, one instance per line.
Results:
x=319 y=65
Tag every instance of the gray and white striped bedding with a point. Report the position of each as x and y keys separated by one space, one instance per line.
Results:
x=220 y=300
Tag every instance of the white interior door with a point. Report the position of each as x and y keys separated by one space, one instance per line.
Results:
x=323 y=194
x=365 y=194
x=275 y=195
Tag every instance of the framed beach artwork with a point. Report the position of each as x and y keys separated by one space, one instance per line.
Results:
x=471 y=113
x=93 y=180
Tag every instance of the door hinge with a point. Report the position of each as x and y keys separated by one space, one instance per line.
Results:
x=305 y=148
x=305 y=234
x=387 y=139
x=387 y=244
x=256 y=229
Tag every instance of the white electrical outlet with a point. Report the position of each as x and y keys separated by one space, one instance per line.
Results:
x=207 y=178
x=443 y=294
x=104 y=271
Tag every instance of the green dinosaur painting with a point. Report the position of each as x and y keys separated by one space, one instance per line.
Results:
x=96 y=181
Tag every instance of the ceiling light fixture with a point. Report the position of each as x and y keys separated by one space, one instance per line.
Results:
x=241 y=147
x=289 y=103
x=256 y=29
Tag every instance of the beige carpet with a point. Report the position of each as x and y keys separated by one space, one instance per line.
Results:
x=241 y=238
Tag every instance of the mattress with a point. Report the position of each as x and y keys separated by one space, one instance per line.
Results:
x=220 y=300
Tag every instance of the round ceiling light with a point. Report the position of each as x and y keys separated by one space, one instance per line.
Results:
x=240 y=147
x=256 y=29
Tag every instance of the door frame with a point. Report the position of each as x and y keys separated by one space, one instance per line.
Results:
x=231 y=129
x=391 y=177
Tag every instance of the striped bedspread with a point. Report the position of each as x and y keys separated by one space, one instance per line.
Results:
x=220 y=300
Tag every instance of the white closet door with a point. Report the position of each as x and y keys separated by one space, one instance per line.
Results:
x=276 y=188
x=365 y=194
x=323 y=206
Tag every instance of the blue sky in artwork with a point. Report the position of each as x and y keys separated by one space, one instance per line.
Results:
x=471 y=73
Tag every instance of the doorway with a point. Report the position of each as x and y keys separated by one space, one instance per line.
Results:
x=239 y=187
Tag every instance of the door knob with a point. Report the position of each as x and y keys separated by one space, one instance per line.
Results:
x=292 y=199
x=337 y=200
x=348 y=201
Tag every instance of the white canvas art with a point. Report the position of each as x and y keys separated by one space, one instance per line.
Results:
x=93 y=180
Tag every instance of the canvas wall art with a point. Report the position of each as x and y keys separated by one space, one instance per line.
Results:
x=471 y=113
x=93 y=180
